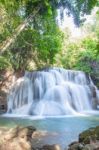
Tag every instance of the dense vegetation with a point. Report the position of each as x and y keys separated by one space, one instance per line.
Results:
x=82 y=54
x=30 y=37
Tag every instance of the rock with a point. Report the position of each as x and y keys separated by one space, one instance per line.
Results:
x=75 y=146
x=93 y=146
x=3 y=102
x=85 y=136
x=26 y=131
x=37 y=134
x=18 y=138
x=15 y=144
x=97 y=132
x=88 y=140
x=90 y=135
x=19 y=132
x=51 y=147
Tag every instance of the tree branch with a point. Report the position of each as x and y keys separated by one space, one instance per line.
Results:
x=18 y=30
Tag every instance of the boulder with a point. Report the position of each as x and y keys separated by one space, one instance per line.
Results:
x=18 y=138
x=75 y=146
x=93 y=146
x=90 y=135
x=88 y=140
x=86 y=136
x=26 y=132
x=21 y=138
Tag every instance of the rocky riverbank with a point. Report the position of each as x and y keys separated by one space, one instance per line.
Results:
x=23 y=138
x=88 y=140
x=27 y=138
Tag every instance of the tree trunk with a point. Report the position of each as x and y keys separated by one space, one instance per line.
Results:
x=18 y=30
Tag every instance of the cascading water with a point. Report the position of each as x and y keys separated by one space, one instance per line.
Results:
x=51 y=92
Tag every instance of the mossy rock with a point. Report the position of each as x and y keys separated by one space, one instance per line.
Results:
x=97 y=132
x=84 y=136
x=91 y=134
x=93 y=146
x=76 y=146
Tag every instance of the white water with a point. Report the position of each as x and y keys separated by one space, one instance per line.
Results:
x=53 y=92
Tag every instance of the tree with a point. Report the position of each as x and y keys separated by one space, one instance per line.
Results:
x=37 y=45
x=83 y=54
x=25 y=10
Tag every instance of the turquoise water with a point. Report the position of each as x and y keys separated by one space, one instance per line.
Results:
x=66 y=129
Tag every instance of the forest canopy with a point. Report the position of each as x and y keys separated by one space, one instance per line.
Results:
x=29 y=32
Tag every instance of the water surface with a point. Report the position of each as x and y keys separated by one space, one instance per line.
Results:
x=64 y=130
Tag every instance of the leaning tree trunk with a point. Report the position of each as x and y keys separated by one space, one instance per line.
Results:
x=18 y=30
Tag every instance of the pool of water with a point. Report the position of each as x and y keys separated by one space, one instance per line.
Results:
x=66 y=129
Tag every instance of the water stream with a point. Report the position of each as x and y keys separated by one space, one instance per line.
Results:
x=53 y=92
x=59 y=101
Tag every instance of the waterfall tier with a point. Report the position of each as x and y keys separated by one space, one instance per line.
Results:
x=51 y=92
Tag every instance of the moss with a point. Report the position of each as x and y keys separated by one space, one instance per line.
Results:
x=89 y=135
x=97 y=132
x=86 y=135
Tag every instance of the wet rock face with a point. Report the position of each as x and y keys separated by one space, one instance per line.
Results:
x=7 y=79
x=88 y=140
x=3 y=102
x=3 y=108
x=95 y=77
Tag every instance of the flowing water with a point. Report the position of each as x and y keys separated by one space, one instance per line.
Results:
x=53 y=92
x=62 y=102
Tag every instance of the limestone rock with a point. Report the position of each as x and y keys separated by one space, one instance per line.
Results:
x=16 y=138
x=20 y=138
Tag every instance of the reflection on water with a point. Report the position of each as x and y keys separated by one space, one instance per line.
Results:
x=67 y=128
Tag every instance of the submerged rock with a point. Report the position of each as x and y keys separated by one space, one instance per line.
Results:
x=51 y=147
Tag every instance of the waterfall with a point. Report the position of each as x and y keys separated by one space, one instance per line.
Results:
x=52 y=92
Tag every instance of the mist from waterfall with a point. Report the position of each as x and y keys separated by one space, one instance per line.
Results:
x=53 y=92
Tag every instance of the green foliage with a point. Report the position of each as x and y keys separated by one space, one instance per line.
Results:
x=41 y=39
x=89 y=56
x=10 y=18
x=81 y=56
x=38 y=45
x=4 y=63
x=48 y=41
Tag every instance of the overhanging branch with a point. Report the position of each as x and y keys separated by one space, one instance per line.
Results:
x=18 y=30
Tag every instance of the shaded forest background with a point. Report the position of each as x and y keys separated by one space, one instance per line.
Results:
x=30 y=37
